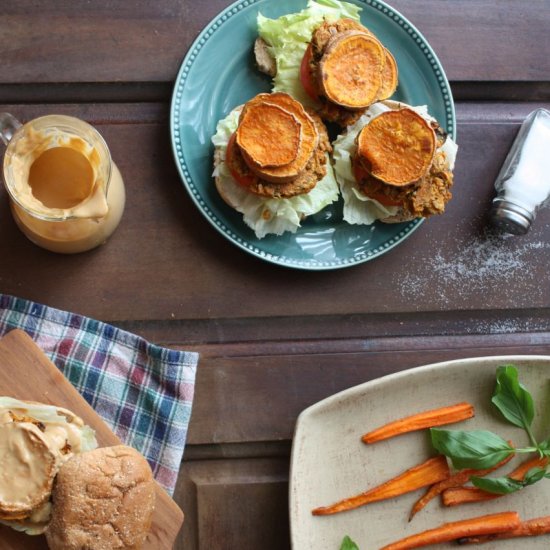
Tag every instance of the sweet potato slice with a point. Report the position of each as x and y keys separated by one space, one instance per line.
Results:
x=389 y=77
x=308 y=143
x=269 y=135
x=398 y=147
x=351 y=69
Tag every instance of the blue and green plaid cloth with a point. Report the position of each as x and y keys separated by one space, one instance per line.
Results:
x=142 y=391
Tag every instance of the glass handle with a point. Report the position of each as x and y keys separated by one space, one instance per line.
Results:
x=8 y=126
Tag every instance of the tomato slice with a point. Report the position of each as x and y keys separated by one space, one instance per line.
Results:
x=245 y=180
x=305 y=75
x=360 y=174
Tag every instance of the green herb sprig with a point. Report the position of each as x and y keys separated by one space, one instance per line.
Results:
x=348 y=544
x=481 y=449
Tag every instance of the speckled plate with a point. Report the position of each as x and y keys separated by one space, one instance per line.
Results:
x=330 y=462
x=218 y=73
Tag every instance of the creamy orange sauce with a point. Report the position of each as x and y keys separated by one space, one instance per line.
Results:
x=34 y=443
x=67 y=194
x=26 y=463
x=61 y=177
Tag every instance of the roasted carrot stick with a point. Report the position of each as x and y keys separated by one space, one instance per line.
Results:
x=529 y=528
x=456 y=480
x=463 y=495
x=455 y=496
x=429 y=472
x=420 y=421
x=484 y=525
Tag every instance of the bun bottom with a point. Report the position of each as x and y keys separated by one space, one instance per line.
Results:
x=400 y=217
x=219 y=157
x=222 y=185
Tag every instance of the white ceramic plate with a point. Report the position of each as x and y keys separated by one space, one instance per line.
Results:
x=330 y=462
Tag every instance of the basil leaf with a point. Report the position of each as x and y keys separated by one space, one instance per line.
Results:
x=512 y=399
x=534 y=475
x=545 y=446
x=478 y=449
x=499 y=485
x=348 y=544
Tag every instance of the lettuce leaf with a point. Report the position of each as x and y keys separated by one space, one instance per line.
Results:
x=48 y=414
x=265 y=215
x=289 y=35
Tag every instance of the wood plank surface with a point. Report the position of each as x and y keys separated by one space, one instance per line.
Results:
x=182 y=269
x=234 y=504
x=23 y=364
x=258 y=398
x=274 y=340
x=117 y=41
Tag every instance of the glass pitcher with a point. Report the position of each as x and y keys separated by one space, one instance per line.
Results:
x=66 y=194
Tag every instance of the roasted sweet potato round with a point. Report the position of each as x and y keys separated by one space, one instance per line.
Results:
x=397 y=147
x=351 y=69
x=269 y=135
x=309 y=139
x=389 y=77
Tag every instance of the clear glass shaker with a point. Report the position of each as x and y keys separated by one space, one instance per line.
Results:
x=523 y=183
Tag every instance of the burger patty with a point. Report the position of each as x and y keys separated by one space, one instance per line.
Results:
x=314 y=171
x=423 y=198
x=319 y=41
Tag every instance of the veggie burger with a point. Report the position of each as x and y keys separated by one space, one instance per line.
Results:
x=271 y=163
x=340 y=65
x=394 y=165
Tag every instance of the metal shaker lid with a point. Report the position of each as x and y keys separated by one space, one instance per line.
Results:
x=510 y=218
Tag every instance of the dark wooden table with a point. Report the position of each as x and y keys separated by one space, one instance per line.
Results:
x=273 y=340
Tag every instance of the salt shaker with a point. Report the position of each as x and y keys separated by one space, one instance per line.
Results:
x=523 y=183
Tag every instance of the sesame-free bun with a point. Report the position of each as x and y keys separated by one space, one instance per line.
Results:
x=102 y=500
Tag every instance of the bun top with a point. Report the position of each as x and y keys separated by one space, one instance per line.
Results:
x=102 y=500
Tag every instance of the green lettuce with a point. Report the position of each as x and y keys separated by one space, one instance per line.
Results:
x=48 y=414
x=266 y=215
x=289 y=35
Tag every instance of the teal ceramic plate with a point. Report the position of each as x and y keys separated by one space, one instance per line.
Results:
x=218 y=74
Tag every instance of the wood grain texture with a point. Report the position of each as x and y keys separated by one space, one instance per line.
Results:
x=26 y=373
x=272 y=340
x=182 y=269
x=117 y=41
x=232 y=504
x=257 y=398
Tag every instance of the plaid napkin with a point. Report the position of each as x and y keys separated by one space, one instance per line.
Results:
x=142 y=391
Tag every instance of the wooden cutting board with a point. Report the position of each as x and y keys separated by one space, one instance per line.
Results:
x=26 y=373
